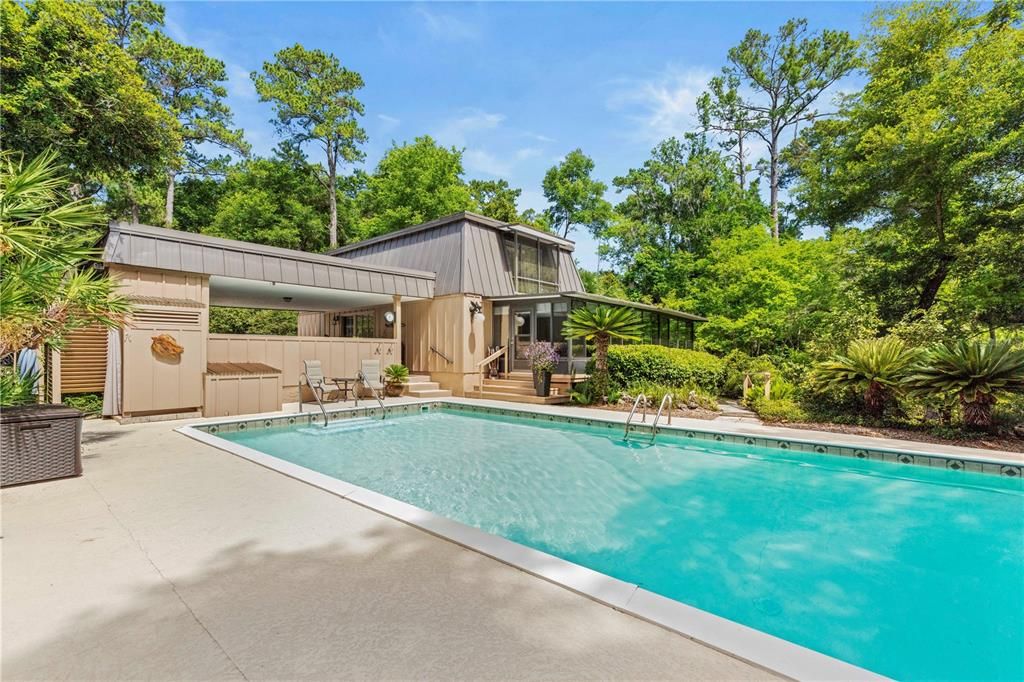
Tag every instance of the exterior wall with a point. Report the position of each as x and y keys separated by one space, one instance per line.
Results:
x=339 y=357
x=444 y=323
x=152 y=384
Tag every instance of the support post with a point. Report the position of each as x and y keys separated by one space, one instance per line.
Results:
x=398 y=326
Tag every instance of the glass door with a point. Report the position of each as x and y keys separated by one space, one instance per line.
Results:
x=522 y=320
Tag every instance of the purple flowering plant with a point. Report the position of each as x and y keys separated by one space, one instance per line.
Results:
x=543 y=356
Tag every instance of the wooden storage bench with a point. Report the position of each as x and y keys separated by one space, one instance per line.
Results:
x=234 y=388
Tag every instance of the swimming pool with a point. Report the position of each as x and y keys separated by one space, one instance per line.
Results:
x=907 y=571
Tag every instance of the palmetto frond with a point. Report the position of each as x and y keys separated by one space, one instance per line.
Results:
x=971 y=369
x=610 y=322
x=880 y=361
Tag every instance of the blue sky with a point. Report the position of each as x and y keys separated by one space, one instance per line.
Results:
x=517 y=85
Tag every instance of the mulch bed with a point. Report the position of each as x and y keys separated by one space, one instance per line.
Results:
x=986 y=442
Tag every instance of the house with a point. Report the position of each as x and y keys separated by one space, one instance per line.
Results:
x=453 y=299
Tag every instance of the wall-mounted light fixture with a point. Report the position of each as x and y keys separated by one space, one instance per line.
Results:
x=389 y=319
x=476 y=311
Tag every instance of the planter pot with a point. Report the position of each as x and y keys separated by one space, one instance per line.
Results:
x=39 y=442
x=542 y=383
x=393 y=390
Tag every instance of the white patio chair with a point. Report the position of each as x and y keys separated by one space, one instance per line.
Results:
x=370 y=377
x=318 y=383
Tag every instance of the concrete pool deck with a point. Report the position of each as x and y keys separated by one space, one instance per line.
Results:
x=169 y=559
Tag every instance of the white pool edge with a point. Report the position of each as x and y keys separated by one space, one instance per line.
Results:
x=739 y=641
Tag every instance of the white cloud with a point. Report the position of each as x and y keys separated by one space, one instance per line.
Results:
x=388 y=123
x=482 y=161
x=662 y=106
x=538 y=137
x=456 y=131
x=446 y=26
x=240 y=84
x=528 y=153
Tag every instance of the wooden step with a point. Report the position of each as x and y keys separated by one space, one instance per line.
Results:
x=431 y=393
x=508 y=383
x=422 y=385
x=521 y=398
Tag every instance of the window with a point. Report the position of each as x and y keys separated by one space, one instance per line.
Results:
x=534 y=264
x=362 y=325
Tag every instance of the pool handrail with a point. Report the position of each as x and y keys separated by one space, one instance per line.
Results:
x=636 y=403
x=361 y=378
x=654 y=427
x=315 y=396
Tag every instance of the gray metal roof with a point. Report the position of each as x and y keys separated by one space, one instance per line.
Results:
x=461 y=216
x=465 y=250
x=157 y=247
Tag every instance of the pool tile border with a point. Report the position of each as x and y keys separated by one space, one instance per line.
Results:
x=739 y=641
x=950 y=462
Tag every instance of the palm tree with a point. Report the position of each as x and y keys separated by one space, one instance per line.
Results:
x=601 y=324
x=872 y=366
x=975 y=372
x=46 y=290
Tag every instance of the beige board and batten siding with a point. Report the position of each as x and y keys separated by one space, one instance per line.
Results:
x=444 y=323
x=172 y=303
x=339 y=357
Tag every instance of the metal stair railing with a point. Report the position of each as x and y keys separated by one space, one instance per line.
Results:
x=654 y=426
x=636 y=403
x=316 y=396
x=362 y=380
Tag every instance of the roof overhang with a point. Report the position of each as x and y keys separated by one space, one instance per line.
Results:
x=163 y=249
x=604 y=300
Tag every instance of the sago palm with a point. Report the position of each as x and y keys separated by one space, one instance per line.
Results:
x=973 y=371
x=875 y=367
x=601 y=324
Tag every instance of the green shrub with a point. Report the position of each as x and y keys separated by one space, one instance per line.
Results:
x=738 y=364
x=778 y=410
x=629 y=365
x=680 y=394
x=89 y=403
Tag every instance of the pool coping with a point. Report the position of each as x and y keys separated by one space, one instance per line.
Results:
x=740 y=641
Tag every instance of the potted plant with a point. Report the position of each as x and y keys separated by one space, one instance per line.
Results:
x=395 y=377
x=543 y=357
x=45 y=292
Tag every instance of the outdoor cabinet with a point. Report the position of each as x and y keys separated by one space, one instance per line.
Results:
x=39 y=442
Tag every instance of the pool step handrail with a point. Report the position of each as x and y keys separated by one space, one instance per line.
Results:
x=362 y=381
x=636 y=403
x=654 y=426
x=315 y=397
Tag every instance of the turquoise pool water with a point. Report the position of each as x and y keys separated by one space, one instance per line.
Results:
x=911 y=572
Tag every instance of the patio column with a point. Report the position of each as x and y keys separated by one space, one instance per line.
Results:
x=397 y=298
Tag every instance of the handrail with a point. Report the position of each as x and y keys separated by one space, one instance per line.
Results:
x=654 y=426
x=446 y=358
x=636 y=403
x=483 y=363
x=315 y=397
x=362 y=379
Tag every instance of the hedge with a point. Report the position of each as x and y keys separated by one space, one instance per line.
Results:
x=634 y=364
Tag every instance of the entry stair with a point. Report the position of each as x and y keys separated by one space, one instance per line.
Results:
x=420 y=386
x=518 y=388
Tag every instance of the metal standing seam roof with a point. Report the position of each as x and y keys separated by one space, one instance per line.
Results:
x=160 y=248
x=466 y=252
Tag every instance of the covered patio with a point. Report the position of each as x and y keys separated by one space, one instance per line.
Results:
x=348 y=312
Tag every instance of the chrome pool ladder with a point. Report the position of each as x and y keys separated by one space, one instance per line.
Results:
x=636 y=403
x=654 y=426
x=362 y=380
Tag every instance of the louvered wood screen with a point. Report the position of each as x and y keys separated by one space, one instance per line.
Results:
x=83 y=361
